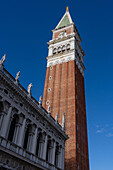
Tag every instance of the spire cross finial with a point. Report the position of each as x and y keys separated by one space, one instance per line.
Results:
x=67 y=8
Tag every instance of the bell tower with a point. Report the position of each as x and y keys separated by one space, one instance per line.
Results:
x=64 y=90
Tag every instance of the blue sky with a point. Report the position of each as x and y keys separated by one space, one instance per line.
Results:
x=25 y=27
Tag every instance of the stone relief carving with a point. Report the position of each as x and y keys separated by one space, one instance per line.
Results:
x=62 y=34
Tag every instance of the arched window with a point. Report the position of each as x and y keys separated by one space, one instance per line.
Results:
x=12 y=127
x=1 y=107
x=26 y=136
x=58 y=156
x=48 y=145
x=38 y=140
x=40 y=145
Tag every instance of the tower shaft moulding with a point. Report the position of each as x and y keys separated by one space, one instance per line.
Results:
x=64 y=90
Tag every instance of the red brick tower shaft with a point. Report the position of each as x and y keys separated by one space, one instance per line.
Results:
x=64 y=90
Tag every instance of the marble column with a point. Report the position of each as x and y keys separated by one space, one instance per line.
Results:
x=1 y=118
x=41 y=146
x=56 y=159
x=6 y=121
x=34 y=143
x=50 y=151
x=45 y=148
x=53 y=153
x=62 y=156
x=29 y=143
x=16 y=132
x=21 y=133
x=59 y=157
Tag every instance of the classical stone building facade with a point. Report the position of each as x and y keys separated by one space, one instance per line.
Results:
x=30 y=138
x=64 y=90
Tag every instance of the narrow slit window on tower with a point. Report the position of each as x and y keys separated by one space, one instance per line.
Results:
x=78 y=167
x=47 y=103
x=49 y=89
x=50 y=77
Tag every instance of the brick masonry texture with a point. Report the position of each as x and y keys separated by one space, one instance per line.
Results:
x=68 y=95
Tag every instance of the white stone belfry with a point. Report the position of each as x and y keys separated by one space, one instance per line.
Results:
x=65 y=45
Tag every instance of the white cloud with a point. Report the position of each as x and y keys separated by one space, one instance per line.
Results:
x=100 y=130
x=107 y=130
x=109 y=135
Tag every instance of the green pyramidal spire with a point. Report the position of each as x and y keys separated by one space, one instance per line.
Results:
x=66 y=19
x=64 y=22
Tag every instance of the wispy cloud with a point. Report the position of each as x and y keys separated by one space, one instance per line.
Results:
x=109 y=135
x=97 y=126
x=106 y=130
x=100 y=130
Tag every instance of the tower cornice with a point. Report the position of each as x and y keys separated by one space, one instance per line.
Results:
x=64 y=58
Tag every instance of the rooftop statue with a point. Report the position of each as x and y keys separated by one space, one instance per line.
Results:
x=40 y=100
x=17 y=76
x=3 y=59
x=29 y=88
